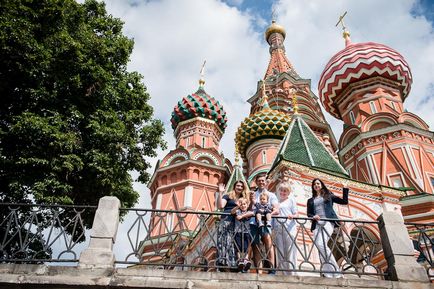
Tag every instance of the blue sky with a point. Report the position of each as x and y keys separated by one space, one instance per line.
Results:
x=262 y=8
x=424 y=8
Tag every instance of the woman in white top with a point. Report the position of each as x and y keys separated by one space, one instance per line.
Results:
x=285 y=229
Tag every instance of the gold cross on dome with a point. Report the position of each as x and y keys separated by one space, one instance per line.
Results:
x=273 y=14
x=341 y=20
x=202 y=70
x=202 y=74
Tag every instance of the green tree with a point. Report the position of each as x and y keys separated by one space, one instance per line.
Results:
x=73 y=121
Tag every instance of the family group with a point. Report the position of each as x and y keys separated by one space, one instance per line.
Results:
x=248 y=226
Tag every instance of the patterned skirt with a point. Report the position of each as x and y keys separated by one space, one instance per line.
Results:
x=226 y=255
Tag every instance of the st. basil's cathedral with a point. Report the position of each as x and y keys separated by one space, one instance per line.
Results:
x=385 y=153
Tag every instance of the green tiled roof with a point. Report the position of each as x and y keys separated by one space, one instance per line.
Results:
x=237 y=174
x=302 y=146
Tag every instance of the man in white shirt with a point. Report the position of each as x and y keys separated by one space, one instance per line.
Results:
x=262 y=233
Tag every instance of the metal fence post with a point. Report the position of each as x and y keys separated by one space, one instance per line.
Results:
x=99 y=254
x=398 y=249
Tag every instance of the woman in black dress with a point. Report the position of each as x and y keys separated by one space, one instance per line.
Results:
x=226 y=255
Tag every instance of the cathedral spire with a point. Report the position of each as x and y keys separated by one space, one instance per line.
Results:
x=279 y=63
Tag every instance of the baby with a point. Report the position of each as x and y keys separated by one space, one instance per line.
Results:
x=263 y=210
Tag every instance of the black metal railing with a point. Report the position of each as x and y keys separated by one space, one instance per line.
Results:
x=211 y=241
x=422 y=236
x=38 y=234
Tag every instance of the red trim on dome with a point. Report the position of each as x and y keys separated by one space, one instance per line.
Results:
x=365 y=56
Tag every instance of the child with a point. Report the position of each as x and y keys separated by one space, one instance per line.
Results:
x=242 y=234
x=286 y=230
x=263 y=210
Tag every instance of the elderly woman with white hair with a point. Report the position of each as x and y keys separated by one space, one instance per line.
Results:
x=285 y=230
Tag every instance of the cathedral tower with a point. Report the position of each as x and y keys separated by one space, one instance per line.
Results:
x=187 y=177
x=260 y=135
x=365 y=85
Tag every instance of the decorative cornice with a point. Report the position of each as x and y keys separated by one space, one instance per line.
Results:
x=383 y=131
x=197 y=119
x=184 y=182
x=183 y=164
x=375 y=192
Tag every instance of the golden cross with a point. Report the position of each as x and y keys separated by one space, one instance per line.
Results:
x=341 y=20
x=273 y=14
x=202 y=70
x=202 y=74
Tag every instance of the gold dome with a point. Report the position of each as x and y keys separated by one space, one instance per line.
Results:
x=274 y=28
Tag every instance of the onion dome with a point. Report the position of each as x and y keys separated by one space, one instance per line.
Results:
x=274 y=28
x=199 y=104
x=361 y=61
x=266 y=123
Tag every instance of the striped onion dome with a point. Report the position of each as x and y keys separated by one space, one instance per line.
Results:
x=199 y=104
x=266 y=123
x=360 y=61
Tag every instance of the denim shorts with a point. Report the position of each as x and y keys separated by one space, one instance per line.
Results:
x=258 y=232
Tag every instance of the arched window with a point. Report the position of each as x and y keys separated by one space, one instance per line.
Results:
x=203 y=141
x=352 y=118
x=173 y=178
x=164 y=180
x=392 y=103
x=216 y=178
x=264 y=157
x=396 y=181
x=187 y=141
x=373 y=107
x=206 y=177
x=196 y=175
x=184 y=174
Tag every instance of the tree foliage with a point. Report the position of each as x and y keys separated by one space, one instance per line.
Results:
x=73 y=121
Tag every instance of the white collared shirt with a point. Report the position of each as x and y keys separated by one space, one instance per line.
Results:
x=286 y=208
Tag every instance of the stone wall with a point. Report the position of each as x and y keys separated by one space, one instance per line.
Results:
x=40 y=276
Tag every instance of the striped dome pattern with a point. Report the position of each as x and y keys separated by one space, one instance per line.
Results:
x=266 y=123
x=199 y=104
x=361 y=61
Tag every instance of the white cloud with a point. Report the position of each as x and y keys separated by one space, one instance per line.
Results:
x=172 y=38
